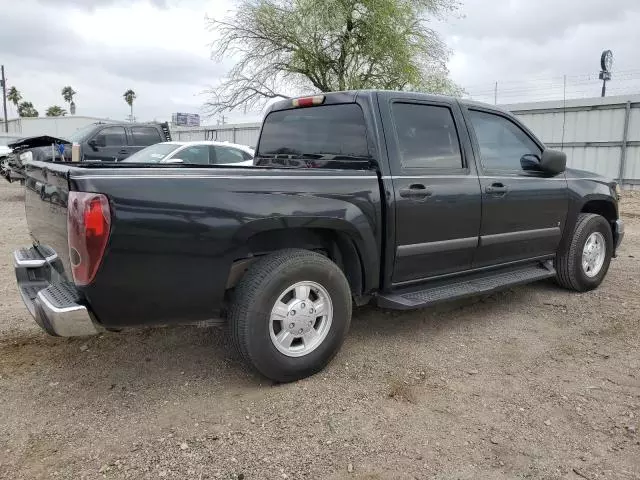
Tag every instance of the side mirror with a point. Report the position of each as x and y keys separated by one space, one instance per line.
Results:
x=174 y=160
x=530 y=162
x=553 y=161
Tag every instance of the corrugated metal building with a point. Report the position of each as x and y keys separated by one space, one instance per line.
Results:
x=242 y=133
x=601 y=135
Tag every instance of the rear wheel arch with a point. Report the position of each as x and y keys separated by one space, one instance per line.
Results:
x=337 y=245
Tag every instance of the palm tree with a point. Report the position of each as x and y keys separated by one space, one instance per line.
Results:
x=129 y=97
x=56 y=111
x=67 y=93
x=14 y=96
x=26 y=109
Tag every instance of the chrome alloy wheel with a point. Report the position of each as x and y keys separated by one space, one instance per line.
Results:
x=300 y=319
x=593 y=254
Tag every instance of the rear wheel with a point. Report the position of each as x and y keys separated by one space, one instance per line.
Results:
x=290 y=314
x=585 y=262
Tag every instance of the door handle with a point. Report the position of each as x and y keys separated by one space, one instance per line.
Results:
x=416 y=190
x=497 y=189
x=123 y=151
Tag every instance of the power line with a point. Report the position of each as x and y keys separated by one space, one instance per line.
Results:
x=542 y=88
x=579 y=76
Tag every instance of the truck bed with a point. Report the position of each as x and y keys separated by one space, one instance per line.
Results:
x=177 y=231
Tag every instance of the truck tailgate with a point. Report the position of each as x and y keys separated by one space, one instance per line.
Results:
x=46 y=193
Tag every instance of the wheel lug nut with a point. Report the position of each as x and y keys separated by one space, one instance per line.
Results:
x=311 y=310
x=300 y=331
x=291 y=325
x=292 y=312
x=302 y=305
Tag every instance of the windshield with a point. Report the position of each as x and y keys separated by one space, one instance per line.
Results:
x=4 y=141
x=79 y=135
x=153 y=154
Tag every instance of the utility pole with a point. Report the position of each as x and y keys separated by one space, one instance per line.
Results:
x=495 y=94
x=4 y=101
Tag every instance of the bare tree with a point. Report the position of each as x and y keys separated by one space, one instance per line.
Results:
x=289 y=47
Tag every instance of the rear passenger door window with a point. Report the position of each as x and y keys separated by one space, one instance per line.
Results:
x=427 y=136
x=502 y=143
x=226 y=155
x=196 y=154
x=145 y=136
x=112 y=137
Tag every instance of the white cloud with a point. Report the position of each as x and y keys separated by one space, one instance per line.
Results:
x=159 y=48
x=529 y=46
x=102 y=48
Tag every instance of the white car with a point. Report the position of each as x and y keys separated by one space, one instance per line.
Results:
x=194 y=153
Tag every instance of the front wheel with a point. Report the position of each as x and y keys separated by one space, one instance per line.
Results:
x=290 y=314
x=584 y=263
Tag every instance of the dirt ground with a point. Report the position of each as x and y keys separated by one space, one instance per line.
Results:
x=535 y=382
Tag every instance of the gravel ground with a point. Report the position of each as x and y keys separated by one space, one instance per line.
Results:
x=534 y=382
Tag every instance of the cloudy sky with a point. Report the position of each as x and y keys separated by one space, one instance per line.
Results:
x=159 y=48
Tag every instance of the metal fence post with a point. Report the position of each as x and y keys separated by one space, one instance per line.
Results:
x=625 y=138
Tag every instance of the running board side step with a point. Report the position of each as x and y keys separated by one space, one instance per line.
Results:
x=461 y=287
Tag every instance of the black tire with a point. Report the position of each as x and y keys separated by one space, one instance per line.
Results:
x=256 y=294
x=569 y=271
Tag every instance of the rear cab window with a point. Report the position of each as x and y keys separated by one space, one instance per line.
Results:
x=328 y=136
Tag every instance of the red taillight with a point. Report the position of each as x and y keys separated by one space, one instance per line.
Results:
x=94 y=219
x=308 y=101
x=88 y=225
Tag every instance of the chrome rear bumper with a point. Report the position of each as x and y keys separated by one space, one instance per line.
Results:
x=53 y=302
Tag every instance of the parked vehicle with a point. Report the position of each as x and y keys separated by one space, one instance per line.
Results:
x=4 y=145
x=194 y=153
x=404 y=200
x=109 y=142
x=41 y=148
x=5 y=152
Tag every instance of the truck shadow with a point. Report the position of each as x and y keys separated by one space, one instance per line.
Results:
x=148 y=360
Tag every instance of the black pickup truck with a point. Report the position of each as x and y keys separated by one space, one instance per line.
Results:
x=400 y=199
x=108 y=142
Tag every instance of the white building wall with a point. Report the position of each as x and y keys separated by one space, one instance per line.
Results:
x=54 y=126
